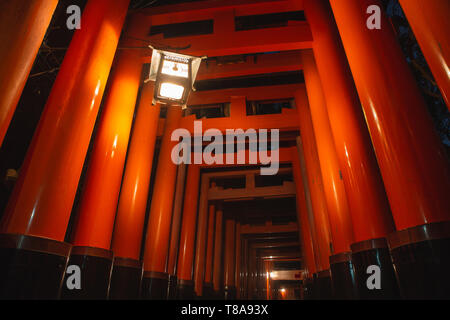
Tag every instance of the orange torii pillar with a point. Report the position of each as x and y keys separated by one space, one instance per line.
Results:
x=308 y=204
x=98 y=204
x=237 y=271
x=38 y=212
x=430 y=24
x=208 y=285
x=23 y=24
x=319 y=205
x=200 y=245
x=185 y=285
x=309 y=265
x=267 y=274
x=342 y=273
x=412 y=159
x=229 y=263
x=369 y=208
x=175 y=232
x=156 y=277
x=218 y=254
x=129 y=225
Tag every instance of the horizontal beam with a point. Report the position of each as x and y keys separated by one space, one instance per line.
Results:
x=250 y=94
x=286 y=121
x=286 y=190
x=203 y=10
x=275 y=255
x=262 y=64
x=284 y=157
x=275 y=245
x=247 y=229
x=239 y=173
x=284 y=259
x=225 y=40
x=254 y=238
x=293 y=37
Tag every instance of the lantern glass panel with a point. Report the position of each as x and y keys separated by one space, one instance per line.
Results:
x=171 y=91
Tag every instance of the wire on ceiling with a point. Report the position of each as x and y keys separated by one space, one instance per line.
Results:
x=141 y=4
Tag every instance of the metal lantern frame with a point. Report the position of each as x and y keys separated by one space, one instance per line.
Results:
x=156 y=74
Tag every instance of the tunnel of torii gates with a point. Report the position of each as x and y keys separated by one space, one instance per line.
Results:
x=358 y=156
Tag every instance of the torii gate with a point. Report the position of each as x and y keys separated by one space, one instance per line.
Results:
x=377 y=174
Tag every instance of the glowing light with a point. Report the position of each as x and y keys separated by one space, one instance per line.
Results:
x=283 y=290
x=171 y=91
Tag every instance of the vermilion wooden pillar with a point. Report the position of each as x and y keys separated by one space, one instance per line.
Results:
x=200 y=243
x=175 y=232
x=309 y=266
x=334 y=190
x=98 y=204
x=41 y=203
x=430 y=23
x=155 y=280
x=336 y=198
x=217 y=264
x=369 y=208
x=412 y=160
x=245 y=270
x=229 y=263
x=322 y=278
x=208 y=288
x=314 y=180
x=314 y=175
x=185 y=288
x=307 y=192
x=129 y=224
x=23 y=25
x=268 y=287
x=237 y=275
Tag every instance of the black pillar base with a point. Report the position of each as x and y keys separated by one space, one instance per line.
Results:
x=308 y=289
x=421 y=256
x=323 y=288
x=202 y=296
x=208 y=291
x=31 y=267
x=154 y=285
x=185 y=290
x=96 y=266
x=230 y=293
x=343 y=276
x=374 y=252
x=219 y=295
x=172 y=288
x=126 y=279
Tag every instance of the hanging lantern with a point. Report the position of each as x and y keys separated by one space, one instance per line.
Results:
x=174 y=75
